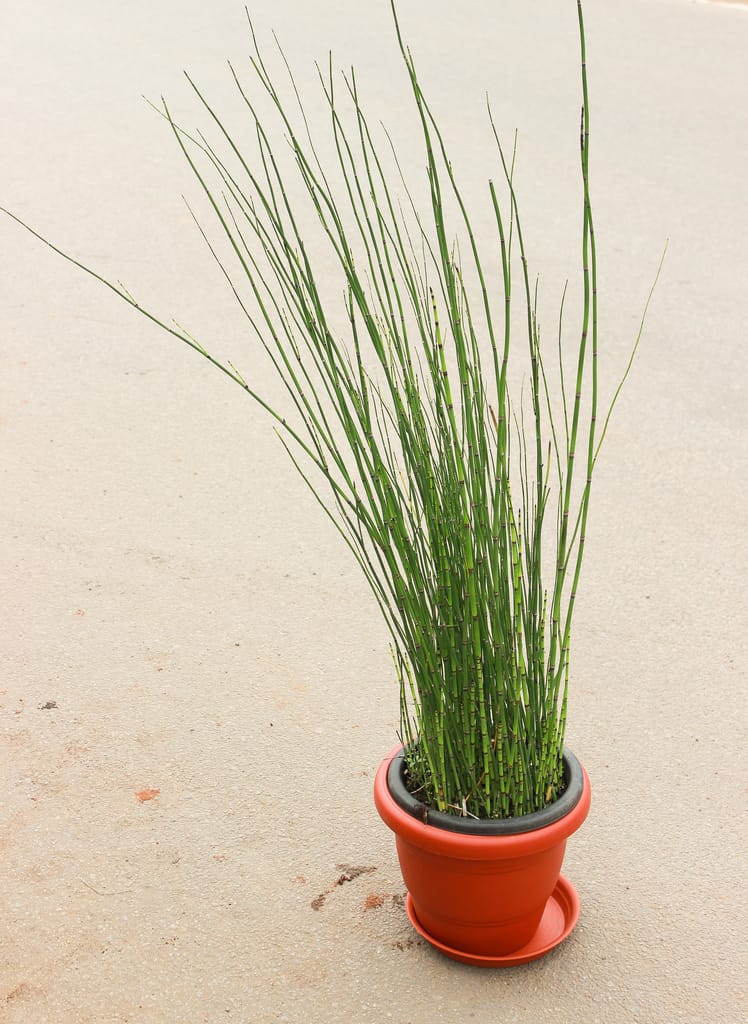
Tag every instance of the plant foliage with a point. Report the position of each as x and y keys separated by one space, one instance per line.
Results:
x=448 y=497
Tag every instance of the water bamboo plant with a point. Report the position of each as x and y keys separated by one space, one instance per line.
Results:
x=466 y=516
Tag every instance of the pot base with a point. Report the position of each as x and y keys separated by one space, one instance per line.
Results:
x=559 y=917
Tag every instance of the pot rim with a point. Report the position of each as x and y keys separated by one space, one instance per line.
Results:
x=572 y=794
x=471 y=845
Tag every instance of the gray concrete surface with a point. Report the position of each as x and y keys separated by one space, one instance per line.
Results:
x=171 y=588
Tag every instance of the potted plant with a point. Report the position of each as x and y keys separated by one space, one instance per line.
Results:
x=464 y=503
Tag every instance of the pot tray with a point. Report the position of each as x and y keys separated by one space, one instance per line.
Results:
x=558 y=920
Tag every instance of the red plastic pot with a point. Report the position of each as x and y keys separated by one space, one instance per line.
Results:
x=489 y=900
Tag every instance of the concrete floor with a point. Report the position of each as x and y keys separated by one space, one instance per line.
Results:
x=179 y=617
